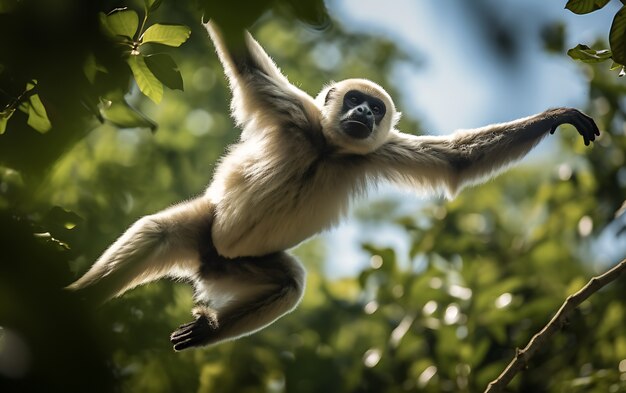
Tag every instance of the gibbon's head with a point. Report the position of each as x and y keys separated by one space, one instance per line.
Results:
x=357 y=115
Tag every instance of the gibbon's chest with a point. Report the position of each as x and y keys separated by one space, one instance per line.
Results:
x=272 y=196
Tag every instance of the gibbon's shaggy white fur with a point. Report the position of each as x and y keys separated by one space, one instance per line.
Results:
x=298 y=163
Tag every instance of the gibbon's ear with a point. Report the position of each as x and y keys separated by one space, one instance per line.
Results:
x=329 y=95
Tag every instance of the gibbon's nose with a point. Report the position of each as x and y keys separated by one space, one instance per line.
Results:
x=364 y=110
x=360 y=122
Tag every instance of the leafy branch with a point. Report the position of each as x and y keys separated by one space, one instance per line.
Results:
x=28 y=102
x=617 y=36
x=523 y=356
x=151 y=72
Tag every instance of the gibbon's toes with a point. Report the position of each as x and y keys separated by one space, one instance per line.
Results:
x=182 y=330
x=193 y=334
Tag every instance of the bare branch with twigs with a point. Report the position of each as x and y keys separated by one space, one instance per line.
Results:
x=522 y=356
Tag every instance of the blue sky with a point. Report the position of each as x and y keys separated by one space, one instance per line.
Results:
x=460 y=82
x=461 y=72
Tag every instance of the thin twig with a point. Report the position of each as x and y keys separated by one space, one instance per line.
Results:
x=11 y=106
x=522 y=356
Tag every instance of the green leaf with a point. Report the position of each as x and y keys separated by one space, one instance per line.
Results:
x=587 y=55
x=3 y=122
x=120 y=22
x=123 y=116
x=166 y=70
x=170 y=35
x=585 y=6
x=37 y=115
x=91 y=68
x=147 y=82
x=152 y=5
x=617 y=36
x=5 y=115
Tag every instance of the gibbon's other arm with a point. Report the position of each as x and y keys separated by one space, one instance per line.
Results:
x=471 y=156
x=260 y=91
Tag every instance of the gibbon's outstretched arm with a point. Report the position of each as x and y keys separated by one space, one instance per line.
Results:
x=261 y=92
x=469 y=157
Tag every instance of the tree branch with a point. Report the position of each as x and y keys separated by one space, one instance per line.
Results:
x=522 y=356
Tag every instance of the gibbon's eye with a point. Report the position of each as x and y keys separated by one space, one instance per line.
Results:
x=376 y=109
x=353 y=99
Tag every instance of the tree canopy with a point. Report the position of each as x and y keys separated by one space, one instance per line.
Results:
x=113 y=110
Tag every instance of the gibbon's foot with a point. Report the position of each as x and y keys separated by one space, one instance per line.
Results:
x=195 y=333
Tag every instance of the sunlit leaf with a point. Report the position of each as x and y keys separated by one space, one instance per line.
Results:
x=4 y=119
x=587 y=55
x=3 y=124
x=147 y=82
x=122 y=115
x=585 y=6
x=166 y=70
x=59 y=219
x=617 y=36
x=152 y=5
x=37 y=115
x=120 y=22
x=170 y=35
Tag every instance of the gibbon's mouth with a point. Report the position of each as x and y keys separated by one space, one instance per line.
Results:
x=356 y=129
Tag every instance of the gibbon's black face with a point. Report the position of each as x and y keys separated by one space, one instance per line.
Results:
x=360 y=112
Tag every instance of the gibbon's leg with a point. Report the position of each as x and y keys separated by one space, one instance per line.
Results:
x=165 y=243
x=240 y=296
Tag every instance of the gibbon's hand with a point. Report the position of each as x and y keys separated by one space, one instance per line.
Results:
x=584 y=124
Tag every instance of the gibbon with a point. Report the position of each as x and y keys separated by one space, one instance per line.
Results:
x=298 y=163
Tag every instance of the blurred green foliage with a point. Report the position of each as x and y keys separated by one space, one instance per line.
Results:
x=485 y=271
